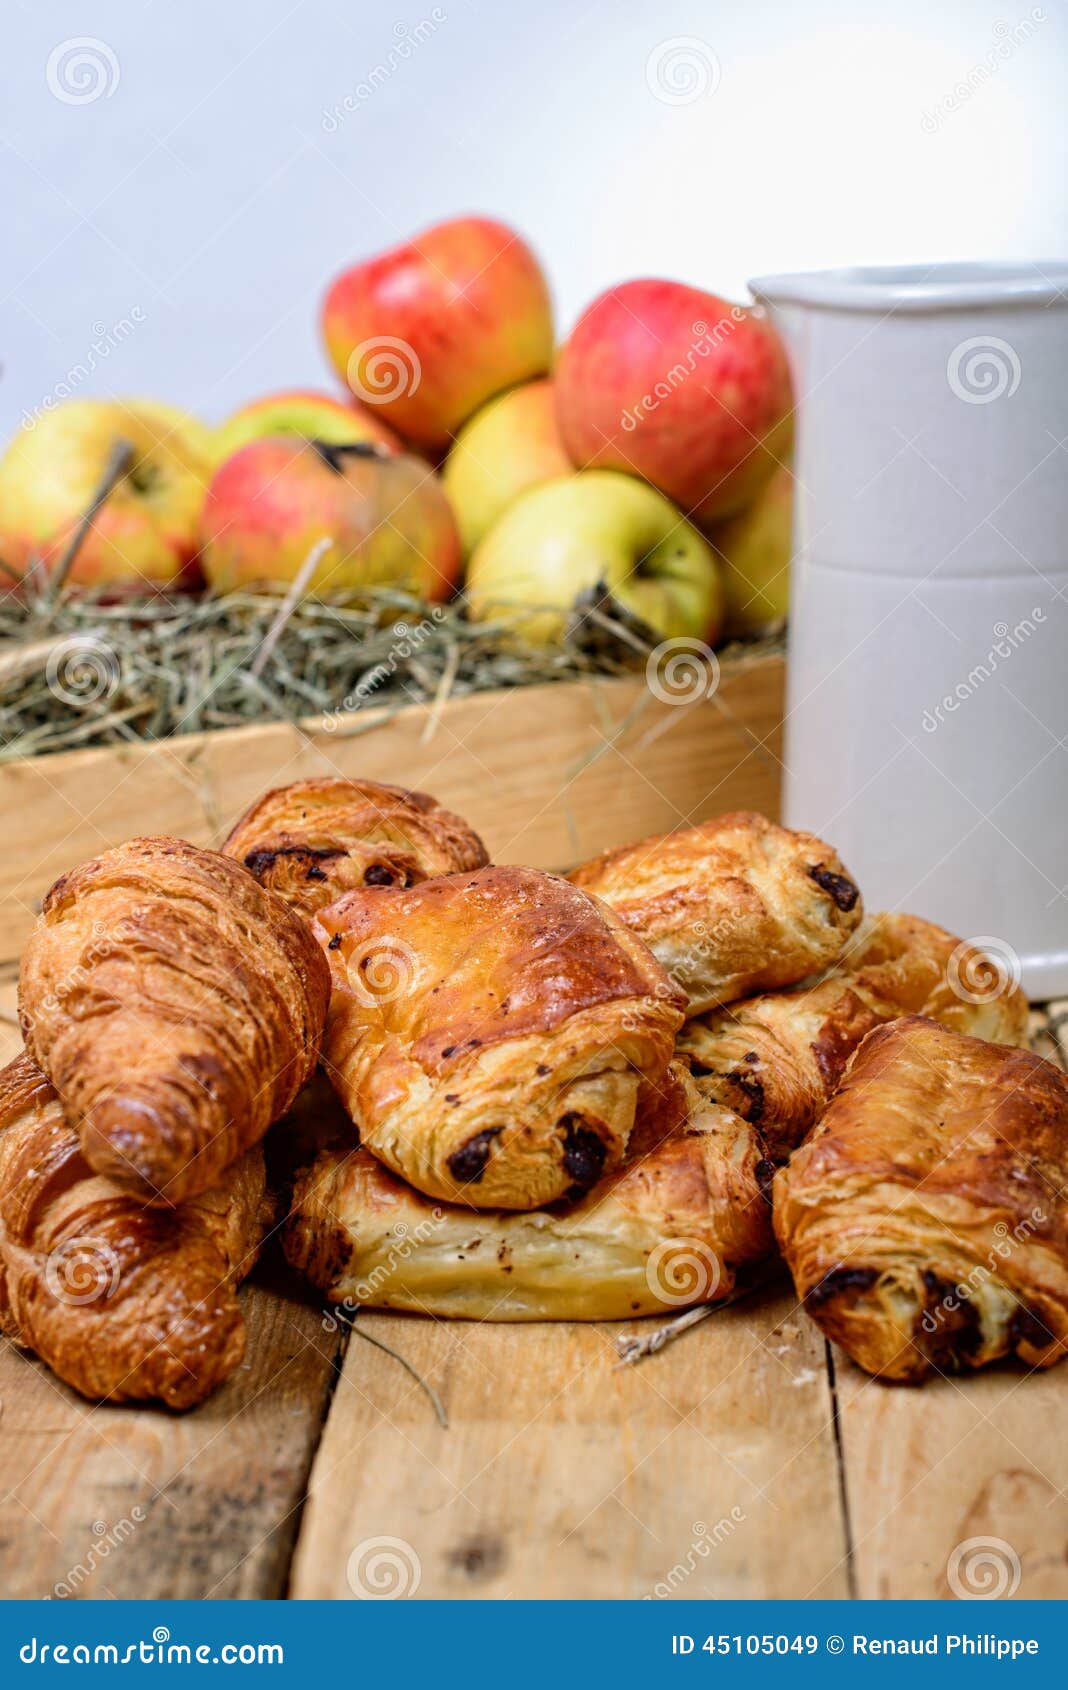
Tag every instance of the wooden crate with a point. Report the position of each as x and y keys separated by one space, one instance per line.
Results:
x=548 y=775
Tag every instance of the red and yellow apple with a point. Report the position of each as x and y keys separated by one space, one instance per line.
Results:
x=601 y=533
x=754 y=549
x=309 y=415
x=147 y=528
x=430 y=330
x=681 y=388
x=509 y=445
x=386 y=517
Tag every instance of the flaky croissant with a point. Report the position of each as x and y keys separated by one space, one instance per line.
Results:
x=122 y=1301
x=777 y=1058
x=311 y=841
x=491 y=1034
x=176 y=1007
x=669 y=1229
x=734 y=906
x=925 y=1221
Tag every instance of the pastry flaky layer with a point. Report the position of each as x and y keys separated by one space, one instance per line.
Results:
x=736 y=905
x=492 y=1034
x=316 y=839
x=668 y=1229
x=176 y=1007
x=925 y=1221
x=777 y=1058
x=122 y=1301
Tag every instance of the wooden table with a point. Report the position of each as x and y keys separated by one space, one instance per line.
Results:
x=746 y=1459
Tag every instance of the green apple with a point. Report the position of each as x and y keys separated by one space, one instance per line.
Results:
x=309 y=415
x=509 y=445
x=754 y=549
x=602 y=532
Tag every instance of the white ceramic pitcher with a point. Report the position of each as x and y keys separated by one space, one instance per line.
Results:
x=927 y=731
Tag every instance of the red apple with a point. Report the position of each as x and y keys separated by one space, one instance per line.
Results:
x=387 y=519
x=689 y=392
x=430 y=330
x=310 y=415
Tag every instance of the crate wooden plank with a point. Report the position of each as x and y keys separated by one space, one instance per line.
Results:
x=706 y=1470
x=106 y=1501
x=548 y=774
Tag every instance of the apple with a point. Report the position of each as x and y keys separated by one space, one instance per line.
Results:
x=386 y=517
x=596 y=532
x=430 y=330
x=689 y=392
x=168 y=420
x=509 y=445
x=145 y=531
x=310 y=415
x=754 y=550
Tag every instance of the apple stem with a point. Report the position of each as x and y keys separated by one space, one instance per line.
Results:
x=289 y=603
x=119 y=460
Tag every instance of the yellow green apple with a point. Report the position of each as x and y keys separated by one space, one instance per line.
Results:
x=384 y=515
x=147 y=528
x=509 y=445
x=600 y=533
x=168 y=420
x=310 y=415
x=754 y=549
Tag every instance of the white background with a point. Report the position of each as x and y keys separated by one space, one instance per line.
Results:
x=206 y=202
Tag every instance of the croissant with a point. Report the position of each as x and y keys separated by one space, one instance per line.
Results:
x=925 y=1221
x=734 y=906
x=669 y=1229
x=176 y=1007
x=491 y=1034
x=122 y=1301
x=776 y=1059
x=311 y=841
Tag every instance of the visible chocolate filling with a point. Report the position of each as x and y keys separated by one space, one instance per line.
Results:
x=260 y=863
x=838 y=1280
x=844 y=893
x=752 y=1089
x=379 y=874
x=468 y=1164
x=584 y=1154
x=765 y=1175
x=1029 y=1328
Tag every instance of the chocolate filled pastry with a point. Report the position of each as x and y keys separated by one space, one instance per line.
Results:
x=777 y=1058
x=492 y=1035
x=734 y=906
x=925 y=1221
x=311 y=841
x=122 y=1301
x=669 y=1229
x=176 y=1007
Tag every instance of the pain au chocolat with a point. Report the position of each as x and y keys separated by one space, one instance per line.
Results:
x=492 y=1034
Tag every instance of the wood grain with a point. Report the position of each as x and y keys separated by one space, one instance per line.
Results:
x=116 y=1502
x=706 y=1470
x=547 y=774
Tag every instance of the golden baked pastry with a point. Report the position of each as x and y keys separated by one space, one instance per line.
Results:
x=176 y=1007
x=122 y=1301
x=669 y=1229
x=734 y=906
x=311 y=841
x=777 y=1058
x=925 y=1221
x=490 y=1033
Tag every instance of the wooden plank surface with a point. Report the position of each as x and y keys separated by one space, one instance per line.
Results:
x=547 y=774
x=707 y=1470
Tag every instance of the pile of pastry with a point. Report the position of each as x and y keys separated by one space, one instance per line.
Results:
x=502 y=1094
